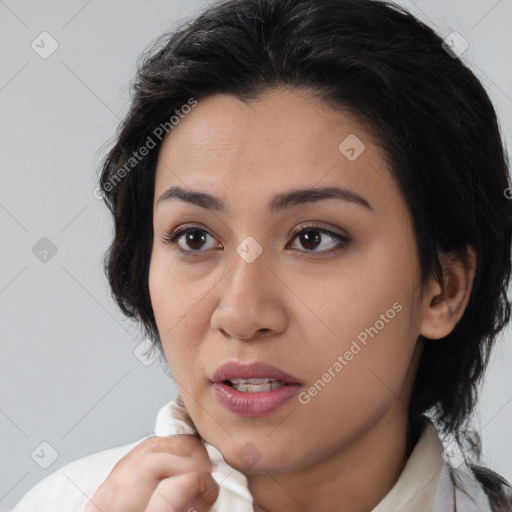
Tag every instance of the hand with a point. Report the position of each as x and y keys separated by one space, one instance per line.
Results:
x=159 y=476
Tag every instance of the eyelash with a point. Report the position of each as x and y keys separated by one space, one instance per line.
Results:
x=170 y=239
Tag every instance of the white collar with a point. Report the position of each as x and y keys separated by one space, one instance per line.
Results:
x=416 y=487
x=424 y=485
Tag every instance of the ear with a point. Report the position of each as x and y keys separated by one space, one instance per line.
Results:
x=441 y=312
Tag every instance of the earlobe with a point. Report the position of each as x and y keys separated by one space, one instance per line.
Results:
x=444 y=308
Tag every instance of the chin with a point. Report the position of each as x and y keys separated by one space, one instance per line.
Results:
x=248 y=459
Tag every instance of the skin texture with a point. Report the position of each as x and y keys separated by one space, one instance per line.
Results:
x=161 y=474
x=295 y=306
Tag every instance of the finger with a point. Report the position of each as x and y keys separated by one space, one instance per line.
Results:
x=177 y=493
x=159 y=466
x=184 y=445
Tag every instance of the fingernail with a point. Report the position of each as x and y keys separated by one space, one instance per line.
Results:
x=177 y=449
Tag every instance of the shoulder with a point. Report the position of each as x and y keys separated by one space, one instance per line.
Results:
x=69 y=487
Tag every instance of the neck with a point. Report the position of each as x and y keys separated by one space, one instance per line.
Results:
x=354 y=478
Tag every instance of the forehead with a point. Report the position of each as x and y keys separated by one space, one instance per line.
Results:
x=284 y=139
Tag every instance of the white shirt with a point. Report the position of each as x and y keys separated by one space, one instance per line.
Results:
x=423 y=486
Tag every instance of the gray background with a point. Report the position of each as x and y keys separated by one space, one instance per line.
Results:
x=69 y=375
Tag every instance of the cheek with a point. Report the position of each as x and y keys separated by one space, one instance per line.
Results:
x=370 y=340
x=179 y=314
x=358 y=382
x=364 y=288
x=171 y=295
x=166 y=308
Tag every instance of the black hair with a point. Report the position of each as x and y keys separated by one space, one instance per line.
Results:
x=425 y=107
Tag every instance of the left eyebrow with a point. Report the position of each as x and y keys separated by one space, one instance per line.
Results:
x=278 y=203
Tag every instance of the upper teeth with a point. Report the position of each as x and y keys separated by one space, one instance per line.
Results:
x=256 y=385
x=253 y=381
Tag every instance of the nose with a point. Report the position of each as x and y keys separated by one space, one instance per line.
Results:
x=251 y=300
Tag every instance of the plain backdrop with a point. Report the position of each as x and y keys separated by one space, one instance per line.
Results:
x=71 y=381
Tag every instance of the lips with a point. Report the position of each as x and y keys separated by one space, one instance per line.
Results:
x=257 y=370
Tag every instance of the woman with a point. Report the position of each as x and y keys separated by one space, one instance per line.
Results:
x=312 y=226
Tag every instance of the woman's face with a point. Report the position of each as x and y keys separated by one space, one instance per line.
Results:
x=339 y=315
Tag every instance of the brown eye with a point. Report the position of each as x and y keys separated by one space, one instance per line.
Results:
x=194 y=238
x=312 y=237
x=191 y=240
x=188 y=240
